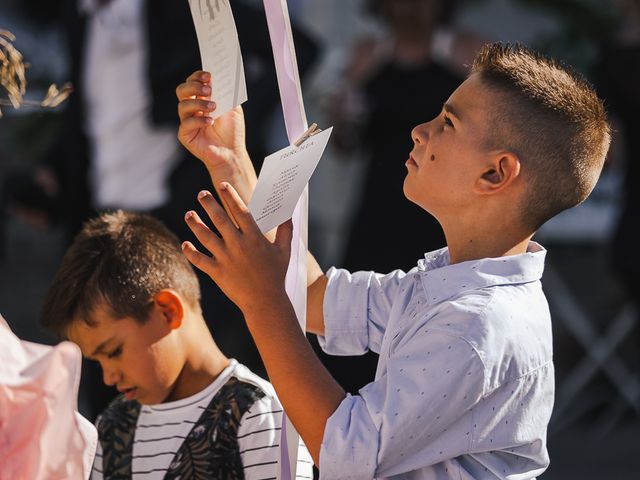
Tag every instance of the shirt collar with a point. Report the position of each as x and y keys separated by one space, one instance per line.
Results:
x=441 y=280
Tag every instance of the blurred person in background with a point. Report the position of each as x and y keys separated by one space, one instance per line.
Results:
x=618 y=76
x=380 y=99
x=119 y=149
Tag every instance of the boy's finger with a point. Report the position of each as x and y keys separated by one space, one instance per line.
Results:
x=193 y=123
x=192 y=89
x=237 y=208
x=197 y=259
x=217 y=214
x=284 y=235
x=200 y=75
x=191 y=107
x=205 y=236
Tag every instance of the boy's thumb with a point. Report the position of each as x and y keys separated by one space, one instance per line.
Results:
x=284 y=234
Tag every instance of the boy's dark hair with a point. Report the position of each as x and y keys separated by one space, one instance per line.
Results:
x=119 y=261
x=552 y=119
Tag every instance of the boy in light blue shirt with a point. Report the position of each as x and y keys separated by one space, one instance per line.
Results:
x=464 y=385
x=464 y=382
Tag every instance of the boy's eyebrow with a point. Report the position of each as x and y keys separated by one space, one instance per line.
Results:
x=450 y=110
x=100 y=347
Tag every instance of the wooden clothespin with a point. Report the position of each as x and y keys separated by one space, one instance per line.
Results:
x=310 y=132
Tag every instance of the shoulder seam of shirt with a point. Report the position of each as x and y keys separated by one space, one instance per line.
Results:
x=483 y=314
x=478 y=314
x=528 y=372
x=519 y=377
x=459 y=337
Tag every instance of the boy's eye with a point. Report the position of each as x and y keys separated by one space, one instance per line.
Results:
x=448 y=121
x=115 y=353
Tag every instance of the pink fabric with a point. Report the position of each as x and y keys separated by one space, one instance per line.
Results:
x=41 y=434
x=295 y=120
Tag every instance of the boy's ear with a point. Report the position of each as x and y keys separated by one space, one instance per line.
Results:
x=170 y=304
x=499 y=173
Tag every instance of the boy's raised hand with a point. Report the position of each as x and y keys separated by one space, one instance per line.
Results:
x=246 y=266
x=251 y=271
x=220 y=143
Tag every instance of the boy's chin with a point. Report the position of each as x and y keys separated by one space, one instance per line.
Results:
x=146 y=399
x=409 y=194
x=406 y=189
x=416 y=200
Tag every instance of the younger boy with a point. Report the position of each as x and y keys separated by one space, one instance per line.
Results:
x=127 y=296
x=465 y=381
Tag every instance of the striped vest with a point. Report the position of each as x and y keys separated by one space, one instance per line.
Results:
x=210 y=451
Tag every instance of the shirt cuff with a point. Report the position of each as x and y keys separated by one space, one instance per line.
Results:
x=349 y=448
x=345 y=313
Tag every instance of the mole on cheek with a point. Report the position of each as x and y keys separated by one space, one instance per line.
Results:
x=433 y=158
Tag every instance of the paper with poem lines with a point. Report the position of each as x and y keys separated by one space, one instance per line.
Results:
x=282 y=180
x=220 y=52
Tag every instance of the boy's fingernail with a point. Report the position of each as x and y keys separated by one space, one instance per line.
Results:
x=205 y=76
x=208 y=120
x=211 y=105
x=203 y=194
x=224 y=186
x=189 y=214
x=185 y=245
x=206 y=90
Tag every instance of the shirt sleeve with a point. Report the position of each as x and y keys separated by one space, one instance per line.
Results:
x=259 y=442
x=96 y=471
x=418 y=413
x=356 y=310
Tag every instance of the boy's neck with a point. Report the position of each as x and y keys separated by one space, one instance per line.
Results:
x=205 y=362
x=476 y=243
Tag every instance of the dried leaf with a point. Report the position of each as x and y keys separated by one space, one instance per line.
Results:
x=12 y=69
x=13 y=80
x=55 y=97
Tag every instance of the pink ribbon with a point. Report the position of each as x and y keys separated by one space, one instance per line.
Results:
x=286 y=68
x=296 y=123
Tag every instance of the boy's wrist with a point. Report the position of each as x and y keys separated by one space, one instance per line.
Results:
x=243 y=179
x=277 y=306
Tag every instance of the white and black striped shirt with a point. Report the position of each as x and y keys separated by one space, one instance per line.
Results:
x=162 y=428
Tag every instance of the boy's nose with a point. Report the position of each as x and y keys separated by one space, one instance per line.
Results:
x=110 y=375
x=419 y=134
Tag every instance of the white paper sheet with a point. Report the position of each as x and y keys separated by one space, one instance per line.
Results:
x=282 y=180
x=220 y=52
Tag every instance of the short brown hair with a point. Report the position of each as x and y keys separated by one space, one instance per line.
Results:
x=551 y=117
x=119 y=260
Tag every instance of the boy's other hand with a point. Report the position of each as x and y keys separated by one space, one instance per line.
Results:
x=219 y=143
x=246 y=266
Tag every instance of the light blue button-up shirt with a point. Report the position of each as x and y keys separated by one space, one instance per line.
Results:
x=465 y=382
